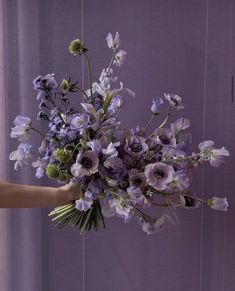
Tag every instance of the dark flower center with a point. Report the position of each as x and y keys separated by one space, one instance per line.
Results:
x=136 y=147
x=86 y=163
x=189 y=201
x=137 y=181
x=158 y=173
x=176 y=102
x=164 y=139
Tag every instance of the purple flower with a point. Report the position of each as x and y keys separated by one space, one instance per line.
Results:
x=164 y=137
x=22 y=128
x=116 y=103
x=78 y=122
x=111 y=150
x=159 y=175
x=218 y=203
x=175 y=101
x=41 y=165
x=189 y=201
x=180 y=125
x=156 y=106
x=211 y=154
x=136 y=145
x=119 y=58
x=47 y=82
x=151 y=227
x=137 y=178
x=135 y=194
x=21 y=155
x=85 y=203
x=86 y=164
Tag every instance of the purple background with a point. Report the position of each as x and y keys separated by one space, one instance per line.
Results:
x=186 y=47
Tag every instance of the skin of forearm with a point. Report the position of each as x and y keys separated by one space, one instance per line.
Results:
x=27 y=196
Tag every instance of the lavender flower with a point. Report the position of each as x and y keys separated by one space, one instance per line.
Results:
x=119 y=58
x=113 y=42
x=175 y=101
x=211 y=154
x=86 y=164
x=218 y=203
x=85 y=203
x=164 y=137
x=156 y=106
x=136 y=145
x=21 y=155
x=159 y=175
x=22 y=127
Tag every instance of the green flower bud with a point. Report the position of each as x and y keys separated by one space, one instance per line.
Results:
x=77 y=47
x=64 y=85
x=63 y=155
x=52 y=171
x=63 y=176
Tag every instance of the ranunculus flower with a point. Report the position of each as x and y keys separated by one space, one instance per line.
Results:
x=218 y=203
x=159 y=175
x=136 y=145
x=86 y=164
x=164 y=137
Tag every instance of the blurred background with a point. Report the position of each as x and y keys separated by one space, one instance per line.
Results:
x=184 y=47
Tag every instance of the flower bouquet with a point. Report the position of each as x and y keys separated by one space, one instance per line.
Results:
x=121 y=172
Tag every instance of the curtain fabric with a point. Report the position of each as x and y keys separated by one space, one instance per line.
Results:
x=186 y=49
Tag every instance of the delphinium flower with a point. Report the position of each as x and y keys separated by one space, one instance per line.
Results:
x=21 y=155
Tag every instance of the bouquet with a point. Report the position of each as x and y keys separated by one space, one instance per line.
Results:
x=121 y=172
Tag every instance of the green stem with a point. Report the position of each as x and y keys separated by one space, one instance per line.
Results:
x=38 y=131
x=89 y=72
x=111 y=62
x=149 y=121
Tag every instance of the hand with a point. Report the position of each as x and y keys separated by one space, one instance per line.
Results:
x=68 y=193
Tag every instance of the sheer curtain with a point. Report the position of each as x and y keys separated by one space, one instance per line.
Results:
x=177 y=46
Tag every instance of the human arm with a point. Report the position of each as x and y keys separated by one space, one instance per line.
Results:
x=27 y=196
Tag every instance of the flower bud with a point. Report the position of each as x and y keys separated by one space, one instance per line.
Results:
x=77 y=47
x=63 y=155
x=52 y=171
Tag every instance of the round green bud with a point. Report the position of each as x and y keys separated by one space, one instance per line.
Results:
x=64 y=85
x=63 y=155
x=52 y=171
x=77 y=47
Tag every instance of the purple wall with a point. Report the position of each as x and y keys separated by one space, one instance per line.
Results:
x=185 y=47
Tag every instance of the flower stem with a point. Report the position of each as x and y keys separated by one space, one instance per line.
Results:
x=89 y=73
x=149 y=121
x=111 y=62
x=38 y=131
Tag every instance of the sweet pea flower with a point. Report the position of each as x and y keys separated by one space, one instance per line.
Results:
x=86 y=164
x=218 y=203
x=152 y=227
x=78 y=122
x=180 y=124
x=21 y=155
x=41 y=165
x=159 y=175
x=113 y=43
x=111 y=150
x=211 y=154
x=84 y=203
x=156 y=106
x=119 y=58
x=22 y=128
x=174 y=100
